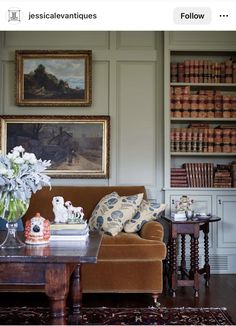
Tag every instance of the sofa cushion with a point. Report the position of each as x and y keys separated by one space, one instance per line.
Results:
x=130 y=246
x=147 y=211
x=113 y=211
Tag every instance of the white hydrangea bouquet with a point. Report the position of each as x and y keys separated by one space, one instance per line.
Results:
x=21 y=174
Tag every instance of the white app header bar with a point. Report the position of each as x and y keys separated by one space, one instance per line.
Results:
x=117 y=15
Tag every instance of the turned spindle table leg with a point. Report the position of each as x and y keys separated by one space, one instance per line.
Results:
x=206 y=254
x=174 y=267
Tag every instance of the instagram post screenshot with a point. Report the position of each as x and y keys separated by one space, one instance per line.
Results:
x=117 y=162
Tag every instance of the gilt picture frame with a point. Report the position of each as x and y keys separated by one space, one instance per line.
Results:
x=53 y=78
x=78 y=146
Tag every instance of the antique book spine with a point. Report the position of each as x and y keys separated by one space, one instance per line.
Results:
x=172 y=105
x=186 y=167
x=234 y=72
x=216 y=72
x=226 y=105
x=180 y=178
x=226 y=140
x=194 y=139
x=192 y=173
x=181 y=72
x=210 y=140
x=191 y=71
x=189 y=140
x=178 y=170
x=233 y=173
x=228 y=71
x=210 y=110
x=205 y=140
x=205 y=71
x=205 y=174
x=202 y=106
x=200 y=140
x=177 y=184
x=173 y=72
x=186 y=105
x=193 y=106
x=183 y=140
x=201 y=72
x=197 y=177
x=177 y=139
x=218 y=140
x=172 y=140
x=186 y=71
x=222 y=72
x=233 y=140
x=211 y=174
x=222 y=185
x=209 y=79
x=178 y=106
x=202 y=174
x=233 y=106
x=218 y=105
x=196 y=71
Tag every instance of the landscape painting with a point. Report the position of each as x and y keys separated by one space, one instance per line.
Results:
x=78 y=146
x=53 y=78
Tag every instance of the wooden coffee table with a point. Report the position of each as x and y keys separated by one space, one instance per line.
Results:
x=54 y=267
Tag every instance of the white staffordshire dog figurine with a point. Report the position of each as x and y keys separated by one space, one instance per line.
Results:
x=59 y=210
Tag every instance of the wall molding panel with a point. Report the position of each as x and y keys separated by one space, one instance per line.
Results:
x=125 y=86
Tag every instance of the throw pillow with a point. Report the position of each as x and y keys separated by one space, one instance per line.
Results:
x=113 y=211
x=147 y=211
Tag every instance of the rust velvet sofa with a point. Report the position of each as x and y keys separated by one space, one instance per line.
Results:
x=127 y=262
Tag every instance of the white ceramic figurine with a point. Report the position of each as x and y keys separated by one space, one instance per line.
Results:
x=74 y=213
x=59 y=210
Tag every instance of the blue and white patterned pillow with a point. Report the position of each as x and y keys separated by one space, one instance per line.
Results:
x=147 y=211
x=113 y=211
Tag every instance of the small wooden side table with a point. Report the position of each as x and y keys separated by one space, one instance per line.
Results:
x=192 y=228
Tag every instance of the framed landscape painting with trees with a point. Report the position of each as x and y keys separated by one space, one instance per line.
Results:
x=78 y=146
x=53 y=78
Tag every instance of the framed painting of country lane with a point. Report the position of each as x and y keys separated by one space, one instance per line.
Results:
x=53 y=78
x=78 y=146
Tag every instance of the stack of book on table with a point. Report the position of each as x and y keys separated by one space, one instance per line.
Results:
x=69 y=232
x=180 y=216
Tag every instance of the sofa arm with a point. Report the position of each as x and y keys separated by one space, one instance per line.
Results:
x=152 y=230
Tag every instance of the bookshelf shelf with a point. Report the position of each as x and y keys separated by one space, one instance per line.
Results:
x=227 y=85
x=197 y=188
x=210 y=120
x=202 y=154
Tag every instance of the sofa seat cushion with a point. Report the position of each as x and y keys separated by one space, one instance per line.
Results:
x=130 y=246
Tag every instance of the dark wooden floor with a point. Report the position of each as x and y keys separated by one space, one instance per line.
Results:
x=221 y=293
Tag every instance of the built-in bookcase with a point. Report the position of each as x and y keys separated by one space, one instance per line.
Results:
x=201 y=118
x=200 y=133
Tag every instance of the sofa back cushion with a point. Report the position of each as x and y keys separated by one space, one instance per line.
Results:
x=84 y=196
x=113 y=211
x=147 y=211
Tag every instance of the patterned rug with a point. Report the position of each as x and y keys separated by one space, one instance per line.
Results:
x=120 y=316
